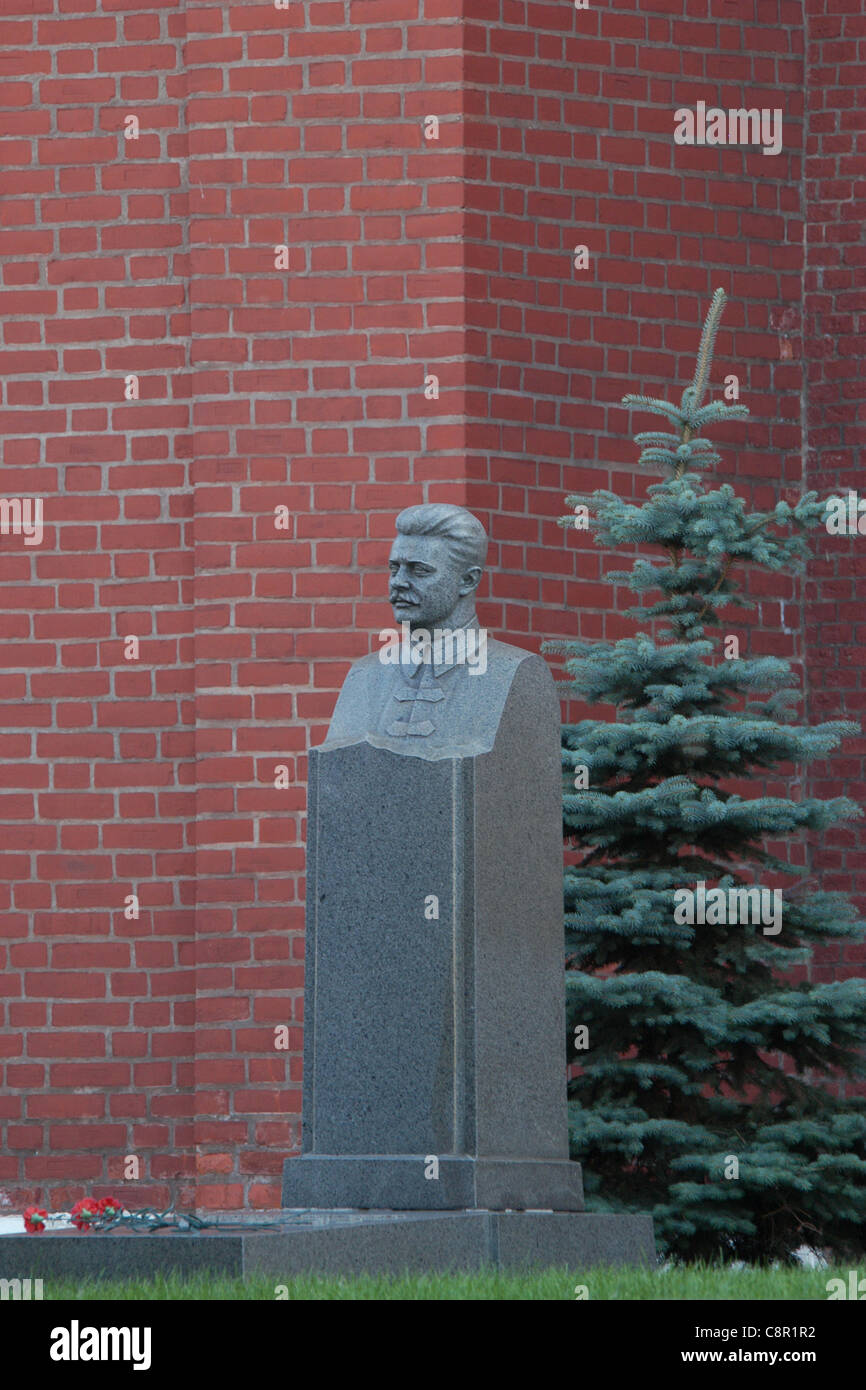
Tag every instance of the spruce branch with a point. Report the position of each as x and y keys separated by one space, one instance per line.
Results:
x=705 y=351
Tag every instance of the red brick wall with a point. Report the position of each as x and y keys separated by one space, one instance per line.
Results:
x=570 y=140
x=835 y=424
x=263 y=387
x=259 y=387
x=98 y=752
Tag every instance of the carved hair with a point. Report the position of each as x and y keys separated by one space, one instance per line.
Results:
x=467 y=536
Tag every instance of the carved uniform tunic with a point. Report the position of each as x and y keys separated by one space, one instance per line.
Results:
x=432 y=709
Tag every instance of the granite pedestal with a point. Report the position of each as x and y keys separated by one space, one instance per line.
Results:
x=434 y=1055
x=337 y=1243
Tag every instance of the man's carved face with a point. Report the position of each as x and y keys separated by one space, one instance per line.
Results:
x=425 y=582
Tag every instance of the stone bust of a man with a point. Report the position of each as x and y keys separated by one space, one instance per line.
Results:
x=438 y=685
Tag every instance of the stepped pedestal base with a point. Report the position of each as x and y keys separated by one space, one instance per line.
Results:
x=345 y=1242
x=405 y=1182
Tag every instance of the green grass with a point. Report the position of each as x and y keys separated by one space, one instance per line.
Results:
x=685 y=1282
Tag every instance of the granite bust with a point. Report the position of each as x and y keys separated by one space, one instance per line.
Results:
x=441 y=689
x=434 y=991
x=434 y=996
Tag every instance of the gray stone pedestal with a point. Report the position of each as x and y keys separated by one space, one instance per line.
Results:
x=398 y=1183
x=434 y=1054
x=340 y=1242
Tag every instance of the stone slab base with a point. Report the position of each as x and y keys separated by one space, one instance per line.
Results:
x=372 y=1182
x=344 y=1243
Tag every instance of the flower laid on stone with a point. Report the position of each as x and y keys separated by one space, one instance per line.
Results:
x=84 y=1212
x=35 y=1219
x=109 y=1214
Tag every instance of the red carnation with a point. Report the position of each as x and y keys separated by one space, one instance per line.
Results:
x=83 y=1213
x=110 y=1207
x=34 y=1219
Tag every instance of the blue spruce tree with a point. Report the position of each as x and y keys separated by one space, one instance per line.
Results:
x=707 y=1085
